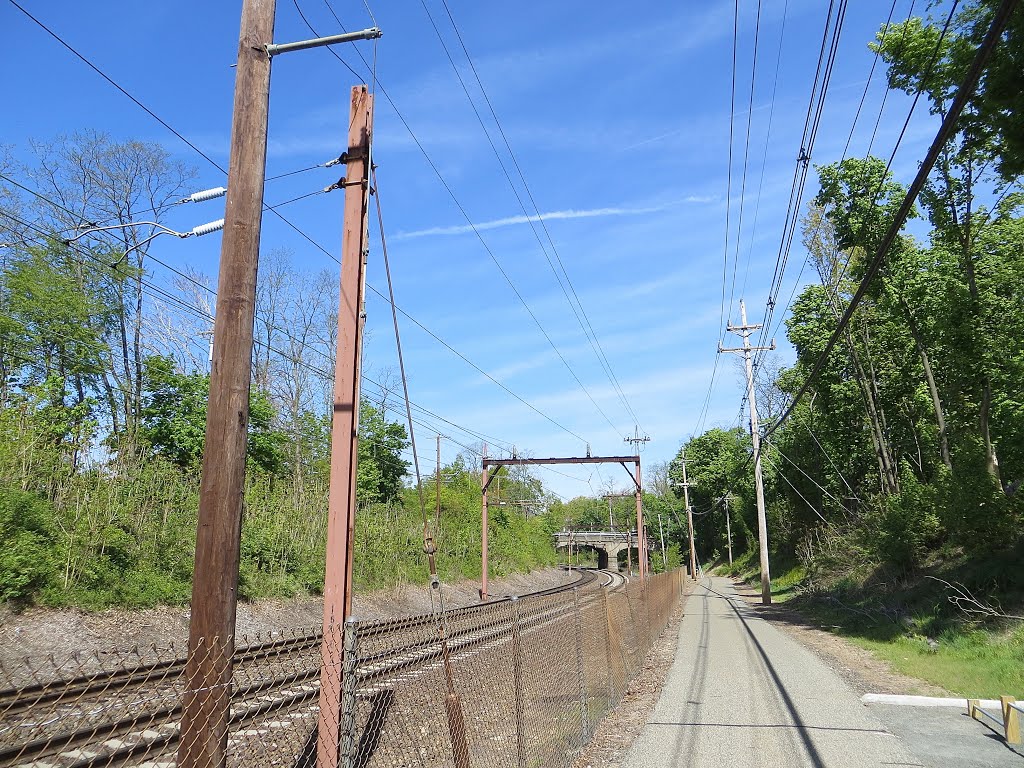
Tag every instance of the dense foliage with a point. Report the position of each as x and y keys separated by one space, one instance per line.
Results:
x=907 y=452
x=103 y=391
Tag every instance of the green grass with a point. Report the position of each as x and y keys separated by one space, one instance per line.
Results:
x=785 y=582
x=972 y=660
x=973 y=664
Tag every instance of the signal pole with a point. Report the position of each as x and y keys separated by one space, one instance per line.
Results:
x=611 y=517
x=745 y=330
x=689 y=521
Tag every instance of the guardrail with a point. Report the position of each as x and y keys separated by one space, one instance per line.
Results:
x=1008 y=726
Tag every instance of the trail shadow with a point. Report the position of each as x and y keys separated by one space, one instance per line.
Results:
x=801 y=728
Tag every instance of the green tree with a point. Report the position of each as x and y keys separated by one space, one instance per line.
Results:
x=987 y=137
x=381 y=466
x=174 y=418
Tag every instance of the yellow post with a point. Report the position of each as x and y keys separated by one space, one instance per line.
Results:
x=1011 y=720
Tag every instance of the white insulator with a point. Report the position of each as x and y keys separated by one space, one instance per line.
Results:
x=207 y=194
x=205 y=229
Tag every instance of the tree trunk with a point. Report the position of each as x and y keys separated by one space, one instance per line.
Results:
x=966 y=236
x=885 y=473
x=929 y=376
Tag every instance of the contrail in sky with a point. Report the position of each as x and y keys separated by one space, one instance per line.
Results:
x=509 y=221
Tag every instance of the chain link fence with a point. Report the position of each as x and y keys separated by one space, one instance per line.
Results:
x=515 y=682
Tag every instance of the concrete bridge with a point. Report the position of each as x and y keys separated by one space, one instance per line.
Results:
x=607 y=544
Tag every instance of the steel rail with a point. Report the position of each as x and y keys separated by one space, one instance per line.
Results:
x=17 y=700
x=22 y=698
x=155 y=722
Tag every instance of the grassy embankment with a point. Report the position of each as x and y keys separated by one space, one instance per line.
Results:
x=895 y=615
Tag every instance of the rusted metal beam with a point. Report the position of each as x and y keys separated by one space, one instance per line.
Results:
x=561 y=460
x=489 y=478
x=485 y=482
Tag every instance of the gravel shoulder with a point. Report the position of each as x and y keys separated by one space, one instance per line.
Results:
x=42 y=632
x=617 y=732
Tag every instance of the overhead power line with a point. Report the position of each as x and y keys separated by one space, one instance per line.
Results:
x=964 y=92
x=272 y=209
x=581 y=314
x=892 y=156
x=472 y=225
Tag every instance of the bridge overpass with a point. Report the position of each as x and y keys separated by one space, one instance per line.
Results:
x=607 y=544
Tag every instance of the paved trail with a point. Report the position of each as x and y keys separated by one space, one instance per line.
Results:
x=741 y=693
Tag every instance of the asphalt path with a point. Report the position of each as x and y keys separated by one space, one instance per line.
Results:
x=742 y=693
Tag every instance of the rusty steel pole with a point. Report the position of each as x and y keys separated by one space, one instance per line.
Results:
x=483 y=529
x=341 y=503
x=629 y=551
x=437 y=487
x=207 y=700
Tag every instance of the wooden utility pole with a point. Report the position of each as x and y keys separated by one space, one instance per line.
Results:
x=689 y=521
x=207 y=701
x=341 y=503
x=728 y=525
x=745 y=330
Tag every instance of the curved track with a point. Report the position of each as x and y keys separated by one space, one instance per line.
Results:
x=112 y=717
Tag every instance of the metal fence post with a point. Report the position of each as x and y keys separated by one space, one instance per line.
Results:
x=517 y=682
x=584 y=717
x=608 y=647
x=348 y=694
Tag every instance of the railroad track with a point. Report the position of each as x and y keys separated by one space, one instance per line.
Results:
x=113 y=717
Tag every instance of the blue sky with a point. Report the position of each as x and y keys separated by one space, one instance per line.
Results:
x=619 y=119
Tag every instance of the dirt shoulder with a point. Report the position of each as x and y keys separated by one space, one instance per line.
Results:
x=41 y=632
x=619 y=729
x=860 y=668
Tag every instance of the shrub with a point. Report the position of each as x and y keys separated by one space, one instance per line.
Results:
x=25 y=529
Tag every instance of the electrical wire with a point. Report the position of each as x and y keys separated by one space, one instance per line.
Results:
x=584 y=322
x=728 y=175
x=746 y=158
x=767 y=140
x=888 y=166
x=160 y=294
x=437 y=338
x=810 y=506
x=818 y=485
x=964 y=92
x=815 y=110
x=475 y=230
